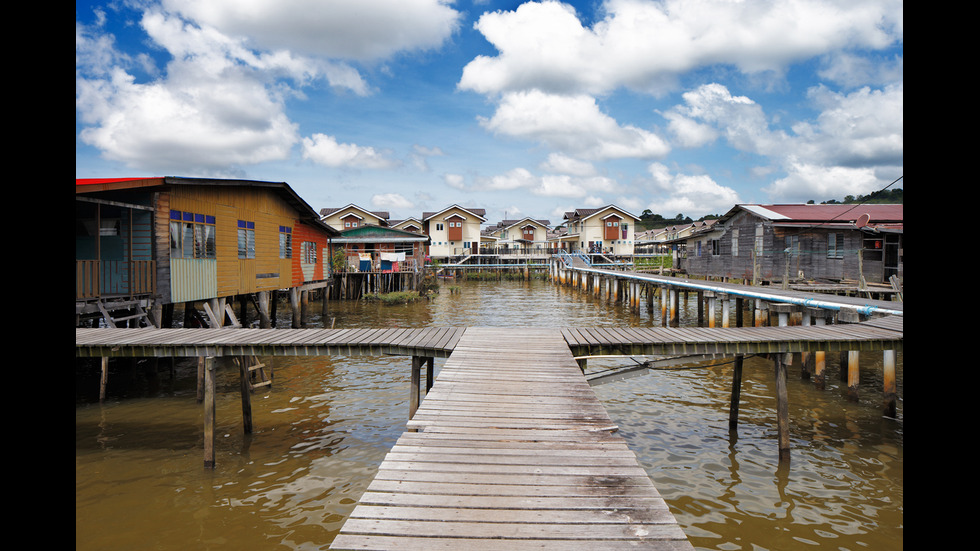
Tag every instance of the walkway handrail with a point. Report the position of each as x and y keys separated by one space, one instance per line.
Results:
x=748 y=292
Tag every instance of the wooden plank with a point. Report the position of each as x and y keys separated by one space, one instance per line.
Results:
x=516 y=453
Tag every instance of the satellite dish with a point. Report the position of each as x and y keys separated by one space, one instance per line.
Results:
x=863 y=220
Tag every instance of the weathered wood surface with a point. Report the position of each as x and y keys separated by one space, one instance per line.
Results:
x=872 y=335
x=429 y=342
x=876 y=334
x=513 y=451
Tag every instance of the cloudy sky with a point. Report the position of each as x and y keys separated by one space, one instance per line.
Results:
x=521 y=108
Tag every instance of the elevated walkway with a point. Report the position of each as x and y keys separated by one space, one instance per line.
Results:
x=513 y=451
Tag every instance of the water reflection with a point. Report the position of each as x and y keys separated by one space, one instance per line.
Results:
x=326 y=424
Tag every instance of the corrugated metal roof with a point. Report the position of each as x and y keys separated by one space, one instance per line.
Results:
x=828 y=212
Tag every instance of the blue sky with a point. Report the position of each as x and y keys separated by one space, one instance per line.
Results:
x=522 y=108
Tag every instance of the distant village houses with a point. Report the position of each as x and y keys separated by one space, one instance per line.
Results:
x=160 y=242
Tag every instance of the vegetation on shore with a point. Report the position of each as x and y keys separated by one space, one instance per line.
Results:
x=397 y=297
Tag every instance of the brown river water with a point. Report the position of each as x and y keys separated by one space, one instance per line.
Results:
x=324 y=427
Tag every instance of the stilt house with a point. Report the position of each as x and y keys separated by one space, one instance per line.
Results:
x=145 y=244
x=829 y=242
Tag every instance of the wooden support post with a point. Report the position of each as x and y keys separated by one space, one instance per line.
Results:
x=246 y=388
x=429 y=364
x=200 y=379
x=739 y=312
x=736 y=393
x=104 y=379
x=712 y=300
x=664 y=305
x=674 y=307
x=890 y=386
x=701 y=302
x=304 y=307
x=209 y=409
x=853 y=357
x=294 y=302
x=726 y=306
x=583 y=363
x=820 y=357
x=782 y=407
x=413 y=391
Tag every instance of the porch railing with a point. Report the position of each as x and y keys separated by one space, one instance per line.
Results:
x=100 y=278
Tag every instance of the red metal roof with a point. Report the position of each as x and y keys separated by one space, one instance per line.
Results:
x=90 y=181
x=838 y=212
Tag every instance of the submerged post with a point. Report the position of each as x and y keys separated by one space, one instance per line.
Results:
x=890 y=390
x=209 y=401
x=782 y=407
x=736 y=393
x=246 y=390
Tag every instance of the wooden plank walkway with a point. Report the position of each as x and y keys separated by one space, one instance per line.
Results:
x=876 y=334
x=513 y=451
x=439 y=342
x=433 y=342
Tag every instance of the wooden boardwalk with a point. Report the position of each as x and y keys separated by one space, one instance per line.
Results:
x=432 y=342
x=876 y=334
x=510 y=449
x=513 y=451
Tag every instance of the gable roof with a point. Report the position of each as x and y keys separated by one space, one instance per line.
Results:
x=479 y=213
x=826 y=215
x=303 y=209
x=371 y=233
x=379 y=214
x=584 y=214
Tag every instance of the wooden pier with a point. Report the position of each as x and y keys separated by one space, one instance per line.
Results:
x=512 y=451
x=509 y=448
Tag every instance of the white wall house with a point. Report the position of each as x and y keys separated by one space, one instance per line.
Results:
x=526 y=234
x=453 y=231
x=608 y=230
x=352 y=216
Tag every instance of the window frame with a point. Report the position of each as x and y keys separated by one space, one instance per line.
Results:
x=192 y=235
x=246 y=240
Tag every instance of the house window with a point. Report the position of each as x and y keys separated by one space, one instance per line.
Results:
x=439 y=227
x=735 y=242
x=308 y=250
x=285 y=242
x=793 y=245
x=246 y=239
x=715 y=247
x=835 y=245
x=191 y=235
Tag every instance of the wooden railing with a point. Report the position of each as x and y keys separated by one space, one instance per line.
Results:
x=95 y=279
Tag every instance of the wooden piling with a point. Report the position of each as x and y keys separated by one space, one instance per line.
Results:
x=246 y=391
x=782 y=407
x=209 y=410
x=890 y=387
x=414 y=388
x=736 y=393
